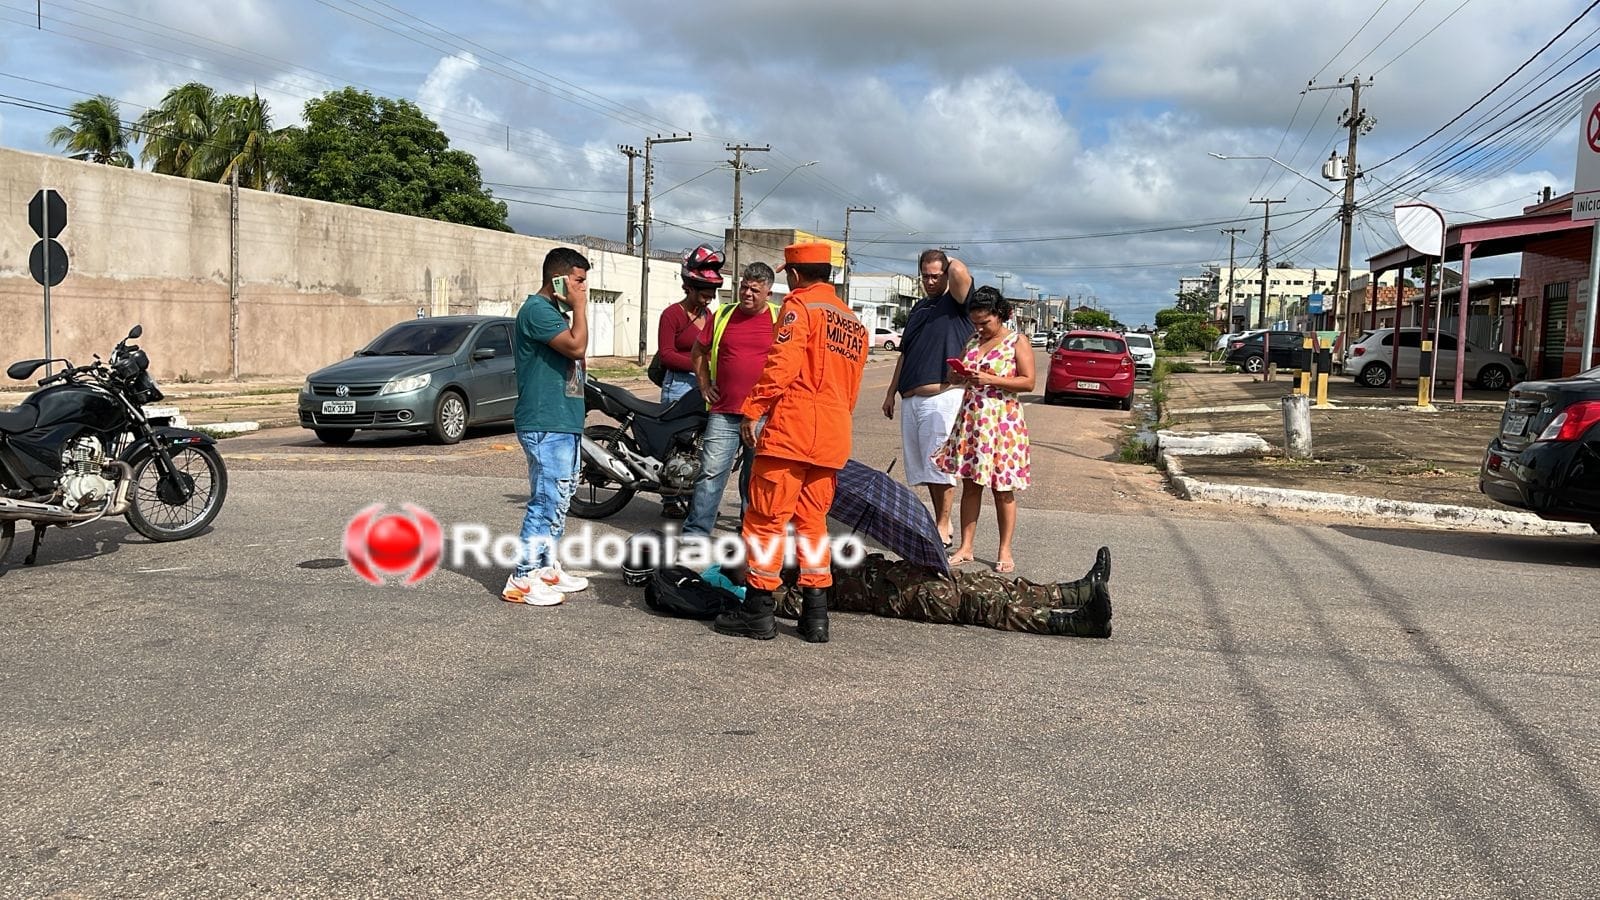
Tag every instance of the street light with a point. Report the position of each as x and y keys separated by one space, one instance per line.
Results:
x=781 y=181
x=1281 y=164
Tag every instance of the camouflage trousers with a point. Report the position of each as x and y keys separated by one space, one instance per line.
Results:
x=902 y=590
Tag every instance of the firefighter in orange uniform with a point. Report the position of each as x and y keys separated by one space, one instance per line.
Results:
x=807 y=393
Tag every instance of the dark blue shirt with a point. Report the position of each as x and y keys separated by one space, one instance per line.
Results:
x=936 y=330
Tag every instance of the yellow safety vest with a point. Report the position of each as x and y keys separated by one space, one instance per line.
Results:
x=719 y=323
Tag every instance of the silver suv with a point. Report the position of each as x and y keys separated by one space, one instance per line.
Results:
x=1370 y=357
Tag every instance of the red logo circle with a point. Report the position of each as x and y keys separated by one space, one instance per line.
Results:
x=393 y=543
x=1593 y=129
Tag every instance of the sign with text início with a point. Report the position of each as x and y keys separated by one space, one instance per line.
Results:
x=1586 y=186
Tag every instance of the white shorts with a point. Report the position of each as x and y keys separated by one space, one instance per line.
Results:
x=925 y=424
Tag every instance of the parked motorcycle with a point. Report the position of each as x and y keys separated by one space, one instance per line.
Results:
x=654 y=448
x=81 y=448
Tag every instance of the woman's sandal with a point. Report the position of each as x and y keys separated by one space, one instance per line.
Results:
x=1006 y=567
x=956 y=562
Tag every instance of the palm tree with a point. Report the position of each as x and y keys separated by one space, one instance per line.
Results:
x=96 y=133
x=178 y=130
x=241 y=142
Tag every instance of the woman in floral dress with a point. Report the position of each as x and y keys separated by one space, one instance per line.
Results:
x=988 y=445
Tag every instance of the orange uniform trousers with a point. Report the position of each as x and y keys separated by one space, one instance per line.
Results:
x=781 y=491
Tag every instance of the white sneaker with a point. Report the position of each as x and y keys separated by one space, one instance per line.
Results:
x=562 y=581
x=531 y=591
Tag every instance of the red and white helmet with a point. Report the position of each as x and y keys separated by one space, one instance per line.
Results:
x=703 y=265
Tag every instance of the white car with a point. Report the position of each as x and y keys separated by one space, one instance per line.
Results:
x=1143 y=351
x=887 y=338
x=1369 y=359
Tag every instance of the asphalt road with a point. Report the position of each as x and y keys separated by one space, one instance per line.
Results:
x=1287 y=708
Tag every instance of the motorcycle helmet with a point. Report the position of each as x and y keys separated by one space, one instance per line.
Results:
x=643 y=555
x=702 y=267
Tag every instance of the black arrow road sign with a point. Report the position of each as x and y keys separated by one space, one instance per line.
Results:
x=58 y=263
x=58 y=213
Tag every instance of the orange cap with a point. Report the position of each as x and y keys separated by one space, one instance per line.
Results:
x=806 y=253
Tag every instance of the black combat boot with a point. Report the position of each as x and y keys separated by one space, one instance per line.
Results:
x=1076 y=594
x=1092 y=620
x=1102 y=565
x=751 y=619
x=814 y=614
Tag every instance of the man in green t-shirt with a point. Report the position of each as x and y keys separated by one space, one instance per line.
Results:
x=549 y=419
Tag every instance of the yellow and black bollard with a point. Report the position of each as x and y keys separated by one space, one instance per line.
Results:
x=1304 y=388
x=1425 y=377
x=1324 y=365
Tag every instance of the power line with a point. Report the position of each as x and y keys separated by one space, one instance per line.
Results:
x=1491 y=91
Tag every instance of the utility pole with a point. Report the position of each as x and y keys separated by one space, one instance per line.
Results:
x=1227 y=320
x=644 y=241
x=1003 y=276
x=848 y=210
x=738 y=204
x=1266 y=234
x=633 y=223
x=1358 y=122
x=233 y=271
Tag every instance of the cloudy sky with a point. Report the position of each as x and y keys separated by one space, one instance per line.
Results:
x=1062 y=144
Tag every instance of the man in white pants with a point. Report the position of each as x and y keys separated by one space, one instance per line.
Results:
x=936 y=330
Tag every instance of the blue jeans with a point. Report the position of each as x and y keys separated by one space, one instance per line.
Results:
x=552 y=479
x=719 y=447
x=676 y=384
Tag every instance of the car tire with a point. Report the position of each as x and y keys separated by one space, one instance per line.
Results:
x=449 y=418
x=1254 y=364
x=1126 y=403
x=1375 y=375
x=335 y=436
x=889 y=346
x=1051 y=399
x=1494 y=378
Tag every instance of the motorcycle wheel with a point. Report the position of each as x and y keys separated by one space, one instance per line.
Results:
x=157 y=511
x=8 y=535
x=598 y=495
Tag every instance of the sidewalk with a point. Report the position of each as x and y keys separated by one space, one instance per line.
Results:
x=1374 y=451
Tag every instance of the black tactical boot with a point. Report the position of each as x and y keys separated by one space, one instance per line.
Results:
x=1092 y=620
x=814 y=615
x=751 y=619
x=1102 y=565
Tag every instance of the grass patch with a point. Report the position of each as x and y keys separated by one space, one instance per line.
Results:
x=618 y=372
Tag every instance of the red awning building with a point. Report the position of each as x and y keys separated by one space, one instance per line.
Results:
x=1546 y=319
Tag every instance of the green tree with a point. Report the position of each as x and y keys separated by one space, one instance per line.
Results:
x=1091 y=318
x=901 y=318
x=383 y=154
x=242 y=140
x=96 y=133
x=1165 y=318
x=177 y=130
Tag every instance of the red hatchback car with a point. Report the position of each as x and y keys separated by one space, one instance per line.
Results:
x=1091 y=364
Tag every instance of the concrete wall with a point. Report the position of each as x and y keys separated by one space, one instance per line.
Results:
x=316 y=280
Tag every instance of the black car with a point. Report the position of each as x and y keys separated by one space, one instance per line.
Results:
x=1250 y=353
x=1546 y=458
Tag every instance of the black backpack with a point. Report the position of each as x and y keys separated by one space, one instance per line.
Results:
x=678 y=591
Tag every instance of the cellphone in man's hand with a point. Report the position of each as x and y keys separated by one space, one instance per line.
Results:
x=956 y=365
x=559 y=287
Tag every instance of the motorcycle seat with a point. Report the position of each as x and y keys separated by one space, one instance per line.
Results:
x=633 y=404
x=19 y=420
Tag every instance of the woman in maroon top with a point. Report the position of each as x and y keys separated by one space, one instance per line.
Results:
x=677 y=332
x=681 y=323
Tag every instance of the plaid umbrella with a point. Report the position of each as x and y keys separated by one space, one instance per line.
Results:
x=890 y=513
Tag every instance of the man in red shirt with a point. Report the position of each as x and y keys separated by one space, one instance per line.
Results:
x=728 y=358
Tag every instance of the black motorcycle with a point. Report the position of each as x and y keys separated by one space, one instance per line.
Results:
x=81 y=448
x=654 y=447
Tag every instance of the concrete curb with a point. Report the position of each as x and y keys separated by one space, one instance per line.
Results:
x=1496 y=521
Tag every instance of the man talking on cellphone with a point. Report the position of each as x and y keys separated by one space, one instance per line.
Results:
x=549 y=417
